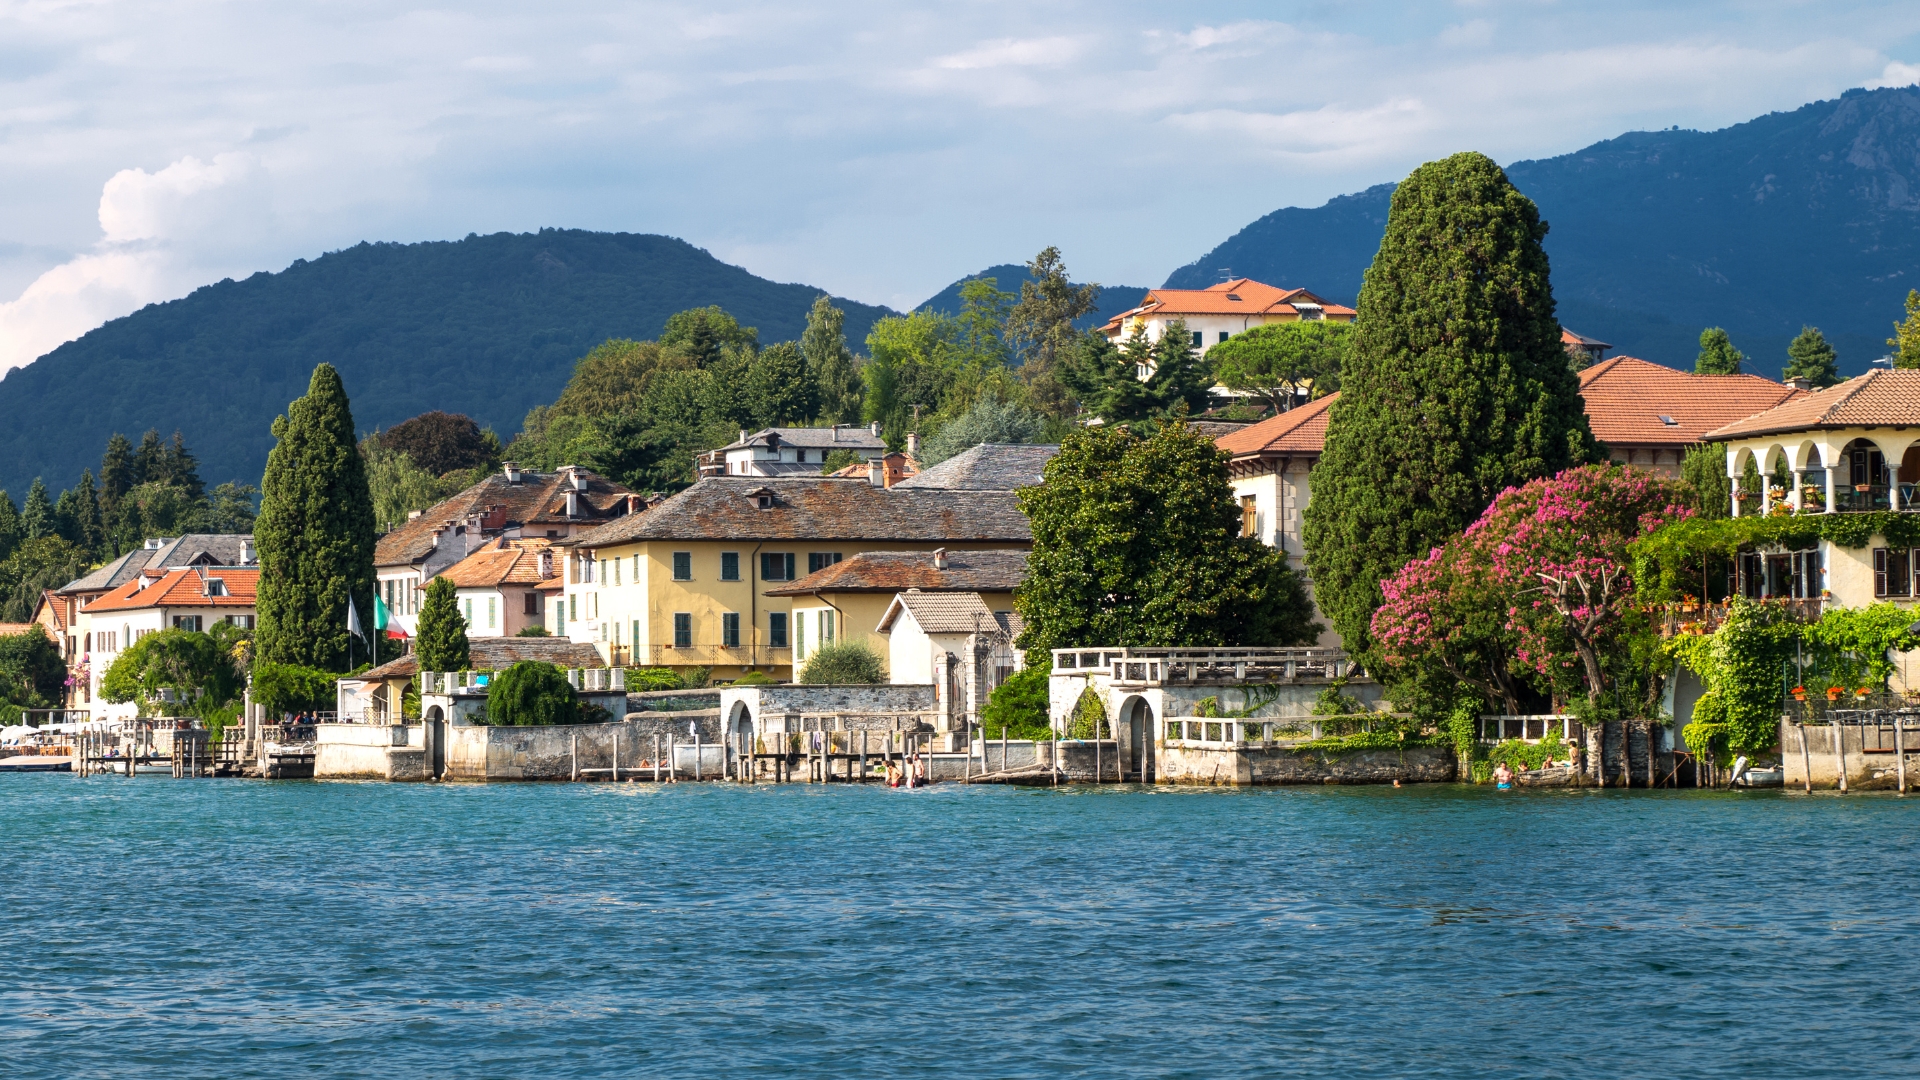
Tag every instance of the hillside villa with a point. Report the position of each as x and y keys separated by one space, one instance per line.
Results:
x=789 y=451
x=497 y=589
x=1216 y=313
x=1648 y=415
x=185 y=598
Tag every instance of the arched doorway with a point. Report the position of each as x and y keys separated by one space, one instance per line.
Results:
x=434 y=736
x=740 y=740
x=1137 y=719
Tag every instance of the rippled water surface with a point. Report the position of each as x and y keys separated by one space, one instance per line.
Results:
x=233 y=928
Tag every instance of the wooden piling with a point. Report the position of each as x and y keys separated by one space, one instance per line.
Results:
x=1839 y=756
x=1806 y=758
x=573 y=755
x=1900 y=750
x=696 y=754
x=616 y=755
x=656 y=757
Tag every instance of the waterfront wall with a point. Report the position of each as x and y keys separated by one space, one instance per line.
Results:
x=1863 y=752
x=545 y=753
x=788 y=708
x=1256 y=765
x=368 y=752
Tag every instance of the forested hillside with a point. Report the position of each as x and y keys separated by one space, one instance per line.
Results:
x=1803 y=217
x=489 y=326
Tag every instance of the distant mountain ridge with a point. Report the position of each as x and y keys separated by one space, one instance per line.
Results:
x=489 y=326
x=1803 y=217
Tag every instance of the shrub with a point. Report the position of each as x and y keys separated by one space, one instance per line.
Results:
x=31 y=671
x=290 y=688
x=844 y=662
x=1018 y=707
x=654 y=678
x=533 y=631
x=754 y=678
x=1089 y=718
x=532 y=693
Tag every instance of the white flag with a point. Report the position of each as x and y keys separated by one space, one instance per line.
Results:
x=353 y=620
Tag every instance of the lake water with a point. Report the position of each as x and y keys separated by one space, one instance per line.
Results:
x=236 y=928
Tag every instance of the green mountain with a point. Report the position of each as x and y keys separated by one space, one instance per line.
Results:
x=1803 y=217
x=1008 y=277
x=489 y=326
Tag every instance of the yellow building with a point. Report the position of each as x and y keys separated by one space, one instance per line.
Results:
x=849 y=600
x=683 y=584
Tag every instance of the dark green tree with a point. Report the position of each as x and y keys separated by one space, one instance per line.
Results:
x=37 y=516
x=441 y=643
x=1810 y=357
x=315 y=532
x=1279 y=362
x=1905 y=341
x=147 y=460
x=1040 y=328
x=77 y=515
x=843 y=663
x=1717 y=354
x=831 y=366
x=443 y=442
x=778 y=389
x=532 y=693
x=36 y=565
x=1136 y=541
x=230 y=509
x=701 y=333
x=179 y=468
x=1455 y=388
x=31 y=671
x=116 y=471
x=1182 y=379
x=12 y=530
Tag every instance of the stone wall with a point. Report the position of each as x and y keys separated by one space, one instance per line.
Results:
x=1865 y=749
x=545 y=753
x=775 y=709
x=1281 y=765
x=367 y=752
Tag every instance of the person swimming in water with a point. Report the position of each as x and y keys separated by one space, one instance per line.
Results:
x=1502 y=777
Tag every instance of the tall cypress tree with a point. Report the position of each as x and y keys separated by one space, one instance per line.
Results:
x=1456 y=387
x=37 y=517
x=442 y=641
x=116 y=471
x=314 y=533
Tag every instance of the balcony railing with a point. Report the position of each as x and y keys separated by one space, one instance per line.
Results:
x=1693 y=617
x=1150 y=665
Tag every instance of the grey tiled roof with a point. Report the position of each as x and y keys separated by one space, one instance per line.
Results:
x=986 y=467
x=819 y=508
x=193 y=549
x=535 y=497
x=942 y=613
x=896 y=571
x=822 y=438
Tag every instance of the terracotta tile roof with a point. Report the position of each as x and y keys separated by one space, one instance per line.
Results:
x=941 y=613
x=14 y=629
x=184 y=588
x=202 y=549
x=1876 y=399
x=819 y=508
x=496 y=503
x=1301 y=430
x=1568 y=337
x=492 y=654
x=503 y=562
x=895 y=571
x=1242 y=296
x=56 y=608
x=1626 y=398
x=986 y=467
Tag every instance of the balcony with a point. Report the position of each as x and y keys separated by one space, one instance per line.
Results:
x=1692 y=617
x=1152 y=667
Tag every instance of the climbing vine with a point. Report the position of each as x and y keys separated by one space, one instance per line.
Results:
x=1665 y=558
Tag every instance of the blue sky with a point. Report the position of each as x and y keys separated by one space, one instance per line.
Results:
x=878 y=150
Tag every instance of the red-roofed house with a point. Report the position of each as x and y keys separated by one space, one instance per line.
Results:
x=1268 y=465
x=497 y=588
x=1218 y=312
x=1648 y=415
x=187 y=598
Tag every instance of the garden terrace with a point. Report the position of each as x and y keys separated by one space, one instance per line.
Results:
x=1693 y=617
x=1850 y=448
x=1225 y=666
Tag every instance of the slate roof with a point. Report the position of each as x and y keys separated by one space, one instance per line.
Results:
x=940 y=613
x=202 y=549
x=897 y=571
x=187 y=587
x=1626 y=398
x=1241 y=296
x=503 y=562
x=1876 y=399
x=986 y=467
x=818 y=508
x=492 y=654
x=1301 y=430
x=814 y=438
x=497 y=503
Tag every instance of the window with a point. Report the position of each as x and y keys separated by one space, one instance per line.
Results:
x=186 y=622
x=777 y=629
x=490 y=616
x=776 y=566
x=533 y=604
x=730 y=629
x=683 y=566
x=467 y=610
x=636 y=637
x=729 y=566
x=1807 y=581
x=826 y=628
x=682 y=630
x=1249 y=516
x=1892 y=572
x=820 y=560
x=1224 y=335
x=244 y=622
x=560 y=616
x=573 y=608
x=1197 y=336
x=636 y=569
x=615 y=563
x=799 y=635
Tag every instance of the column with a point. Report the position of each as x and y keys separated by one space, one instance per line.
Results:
x=1893 y=487
x=1829 y=508
x=1794 y=498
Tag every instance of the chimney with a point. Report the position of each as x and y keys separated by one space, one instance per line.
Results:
x=913 y=445
x=743 y=434
x=573 y=504
x=411 y=514
x=247 y=555
x=512 y=471
x=875 y=428
x=836 y=433
x=1799 y=382
x=877 y=472
x=635 y=504
x=939 y=558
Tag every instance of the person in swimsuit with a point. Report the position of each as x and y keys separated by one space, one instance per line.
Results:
x=1502 y=777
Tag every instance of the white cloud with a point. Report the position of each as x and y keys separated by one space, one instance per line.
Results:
x=1014 y=53
x=1897 y=74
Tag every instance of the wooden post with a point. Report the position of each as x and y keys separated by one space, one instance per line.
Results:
x=573 y=754
x=1806 y=758
x=1099 y=774
x=863 y=755
x=1839 y=755
x=616 y=755
x=656 y=757
x=697 y=755
x=1003 y=749
x=673 y=757
x=1900 y=750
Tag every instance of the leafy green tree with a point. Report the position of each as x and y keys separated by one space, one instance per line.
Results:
x=1278 y=362
x=36 y=565
x=831 y=366
x=116 y=471
x=12 y=529
x=1109 y=381
x=778 y=387
x=397 y=486
x=1810 y=357
x=1018 y=707
x=1182 y=379
x=910 y=370
x=701 y=333
x=282 y=689
x=532 y=693
x=989 y=420
x=187 y=662
x=315 y=532
x=1040 y=329
x=1717 y=354
x=37 y=518
x=441 y=643
x=1704 y=468
x=229 y=510
x=31 y=671
x=844 y=663
x=1906 y=334
x=442 y=442
x=1136 y=541
x=1456 y=386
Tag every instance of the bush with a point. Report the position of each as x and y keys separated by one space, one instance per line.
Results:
x=654 y=678
x=754 y=678
x=533 y=631
x=1018 y=707
x=532 y=693
x=31 y=671
x=290 y=688
x=844 y=662
x=185 y=661
x=1089 y=718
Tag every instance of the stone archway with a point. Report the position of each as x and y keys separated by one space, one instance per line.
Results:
x=1135 y=722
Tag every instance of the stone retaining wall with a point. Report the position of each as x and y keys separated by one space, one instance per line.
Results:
x=1280 y=765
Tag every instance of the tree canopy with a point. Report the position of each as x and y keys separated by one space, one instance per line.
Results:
x=1455 y=387
x=1905 y=341
x=1279 y=362
x=1040 y=330
x=531 y=693
x=443 y=442
x=1136 y=541
x=1810 y=357
x=1717 y=354
x=441 y=638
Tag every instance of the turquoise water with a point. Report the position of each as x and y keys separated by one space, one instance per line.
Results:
x=232 y=928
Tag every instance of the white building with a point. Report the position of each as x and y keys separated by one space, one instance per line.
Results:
x=497 y=589
x=190 y=598
x=1218 y=312
x=789 y=451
